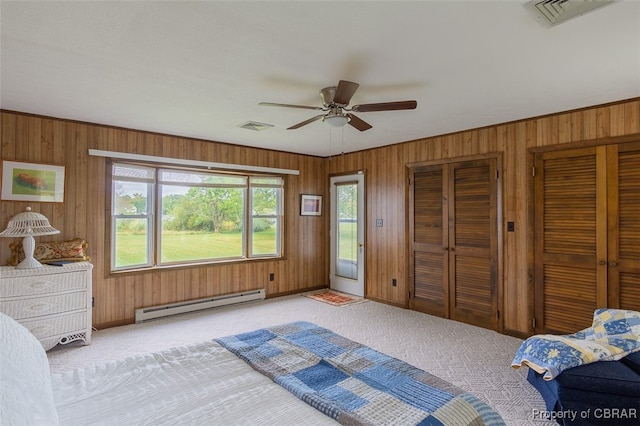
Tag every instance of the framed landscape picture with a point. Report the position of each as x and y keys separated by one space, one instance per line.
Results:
x=311 y=205
x=32 y=182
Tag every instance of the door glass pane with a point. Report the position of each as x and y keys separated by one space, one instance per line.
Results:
x=347 y=235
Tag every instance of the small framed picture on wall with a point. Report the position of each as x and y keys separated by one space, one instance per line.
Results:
x=32 y=182
x=310 y=205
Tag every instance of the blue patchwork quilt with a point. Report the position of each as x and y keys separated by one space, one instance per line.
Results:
x=614 y=334
x=352 y=383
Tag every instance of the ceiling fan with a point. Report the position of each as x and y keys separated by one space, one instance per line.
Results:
x=335 y=100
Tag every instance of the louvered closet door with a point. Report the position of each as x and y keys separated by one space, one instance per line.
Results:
x=454 y=241
x=570 y=208
x=623 y=261
x=472 y=244
x=587 y=244
x=429 y=272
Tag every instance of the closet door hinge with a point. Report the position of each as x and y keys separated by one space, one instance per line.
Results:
x=498 y=314
x=533 y=171
x=533 y=323
x=497 y=174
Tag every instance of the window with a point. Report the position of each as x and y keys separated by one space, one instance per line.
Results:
x=166 y=216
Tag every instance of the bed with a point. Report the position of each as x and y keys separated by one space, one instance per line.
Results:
x=296 y=373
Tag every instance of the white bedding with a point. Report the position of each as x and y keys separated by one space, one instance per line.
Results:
x=196 y=384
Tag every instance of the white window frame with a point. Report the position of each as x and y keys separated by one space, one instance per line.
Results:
x=154 y=215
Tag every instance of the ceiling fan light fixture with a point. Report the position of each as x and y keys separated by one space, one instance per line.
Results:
x=335 y=100
x=336 y=120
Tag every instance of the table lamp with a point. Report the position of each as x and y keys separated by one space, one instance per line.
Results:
x=28 y=224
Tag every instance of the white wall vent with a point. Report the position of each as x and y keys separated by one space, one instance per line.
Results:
x=254 y=125
x=552 y=12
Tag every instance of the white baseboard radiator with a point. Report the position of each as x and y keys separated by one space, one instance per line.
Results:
x=159 y=311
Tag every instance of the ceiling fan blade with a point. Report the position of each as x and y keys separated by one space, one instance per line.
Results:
x=358 y=123
x=305 y=122
x=385 y=106
x=289 y=105
x=344 y=92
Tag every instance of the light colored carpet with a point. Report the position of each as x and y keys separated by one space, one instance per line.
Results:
x=473 y=358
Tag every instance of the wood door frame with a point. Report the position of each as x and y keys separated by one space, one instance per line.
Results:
x=500 y=224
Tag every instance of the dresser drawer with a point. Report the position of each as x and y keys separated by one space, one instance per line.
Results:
x=38 y=306
x=53 y=302
x=34 y=285
x=56 y=325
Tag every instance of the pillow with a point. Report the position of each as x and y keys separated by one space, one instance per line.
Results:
x=26 y=396
x=52 y=251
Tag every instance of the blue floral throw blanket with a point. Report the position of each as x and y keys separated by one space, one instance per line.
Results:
x=614 y=334
x=352 y=383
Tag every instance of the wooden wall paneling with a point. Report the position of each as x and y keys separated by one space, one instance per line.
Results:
x=34 y=137
x=603 y=122
x=47 y=139
x=26 y=137
x=188 y=288
x=82 y=176
x=8 y=129
x=178 y=286
x=196 y=284
x=632 y=118
x=387 y=185
x=22 y=140
x=617 y=120
x=67 y=224
x=271 y=286
x=142 y=290
x=510 y=134
x=565 y=127
x=42 y=139
x=397 y=235
x=375 y=209
x=589 y=123
x=518 y=265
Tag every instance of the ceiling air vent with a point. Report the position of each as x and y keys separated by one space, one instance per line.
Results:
x=552 y=12
x=254 y=125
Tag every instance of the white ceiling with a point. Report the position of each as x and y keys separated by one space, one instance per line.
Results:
x=199 y=69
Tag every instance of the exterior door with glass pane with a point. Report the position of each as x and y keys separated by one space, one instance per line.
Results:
x=347 y=234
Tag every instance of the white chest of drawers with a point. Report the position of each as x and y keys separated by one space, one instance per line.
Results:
x=53 y=302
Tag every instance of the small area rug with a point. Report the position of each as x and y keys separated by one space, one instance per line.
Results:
x=335 y=298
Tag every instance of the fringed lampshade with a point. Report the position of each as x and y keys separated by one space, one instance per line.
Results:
x=28 y=225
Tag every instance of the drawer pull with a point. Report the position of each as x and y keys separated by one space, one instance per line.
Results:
x=41 y=306
x=39 y=285
x=42 y=330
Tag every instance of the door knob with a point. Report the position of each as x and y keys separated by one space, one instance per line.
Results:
x=602 y=262
x=612 y=264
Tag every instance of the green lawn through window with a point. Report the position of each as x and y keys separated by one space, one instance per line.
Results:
x=191 y=246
